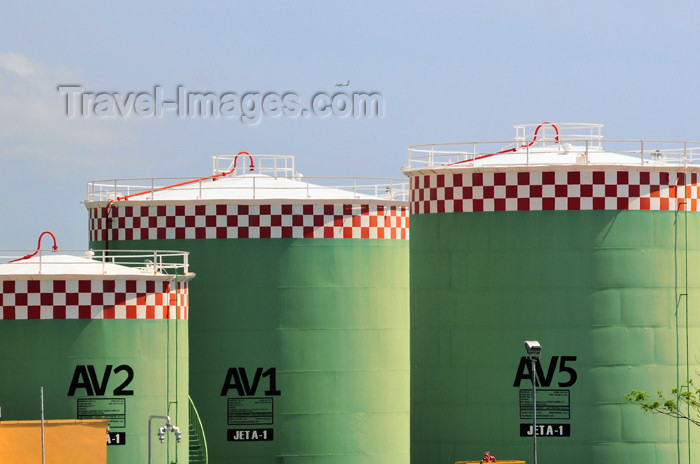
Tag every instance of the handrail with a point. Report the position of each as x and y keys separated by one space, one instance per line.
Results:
x=581 y=139
x=271 y=166
x=275 y=165
x=526 y=146
x=198 y=428
x=113 y=190
x=180 y=184
x=163 y=262
x=563 y=131
x=644 y=152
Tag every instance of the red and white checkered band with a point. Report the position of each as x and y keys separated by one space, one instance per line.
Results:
x=553 y=190
x=93 y=299
x=249 y=221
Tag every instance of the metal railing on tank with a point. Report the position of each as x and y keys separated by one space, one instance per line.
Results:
x=271 y=165
x=161 y=262
x=246 y=183
x=534 y=141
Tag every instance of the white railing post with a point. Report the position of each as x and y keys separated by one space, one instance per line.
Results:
x=527 y=155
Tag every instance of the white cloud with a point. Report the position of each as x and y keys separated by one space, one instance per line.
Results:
x=17 y=64
x=33 y=121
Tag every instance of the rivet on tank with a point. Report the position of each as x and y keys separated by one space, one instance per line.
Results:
x=104 y=333
x=299 y=337
x=589 y=246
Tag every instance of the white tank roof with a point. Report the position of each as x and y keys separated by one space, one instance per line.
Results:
x=566 y=154
x=579 y=145
x=256 y=186
x=52 y=265
x=273 y=177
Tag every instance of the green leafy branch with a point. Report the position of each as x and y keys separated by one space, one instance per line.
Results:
x=672 y=405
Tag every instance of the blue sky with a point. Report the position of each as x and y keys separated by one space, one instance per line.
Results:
x=447 y=71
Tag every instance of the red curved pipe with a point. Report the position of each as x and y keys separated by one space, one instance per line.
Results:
x=235 y=160
x=537 y=129
x=38 y=246
x=525 y=145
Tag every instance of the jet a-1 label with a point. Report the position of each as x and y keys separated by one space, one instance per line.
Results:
x=249 y=434
x=546 y=430
x=116 y=438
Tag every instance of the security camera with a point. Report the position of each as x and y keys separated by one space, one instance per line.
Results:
x=533 y=348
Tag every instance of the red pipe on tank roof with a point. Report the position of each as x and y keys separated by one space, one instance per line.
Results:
x=510 y=150
x=38 y=246
x=214 y=177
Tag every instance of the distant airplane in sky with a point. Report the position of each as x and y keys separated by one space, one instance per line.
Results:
x=341 y=84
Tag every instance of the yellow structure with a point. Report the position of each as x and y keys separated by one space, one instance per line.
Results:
x=66 y=441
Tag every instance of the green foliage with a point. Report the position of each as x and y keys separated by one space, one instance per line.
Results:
x=683 y=403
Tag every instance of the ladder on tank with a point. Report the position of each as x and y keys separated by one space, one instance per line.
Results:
x=198 y=441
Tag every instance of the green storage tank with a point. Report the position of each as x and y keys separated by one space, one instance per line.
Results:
x=588 y=246
x=299 y=340
x=105 y=335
